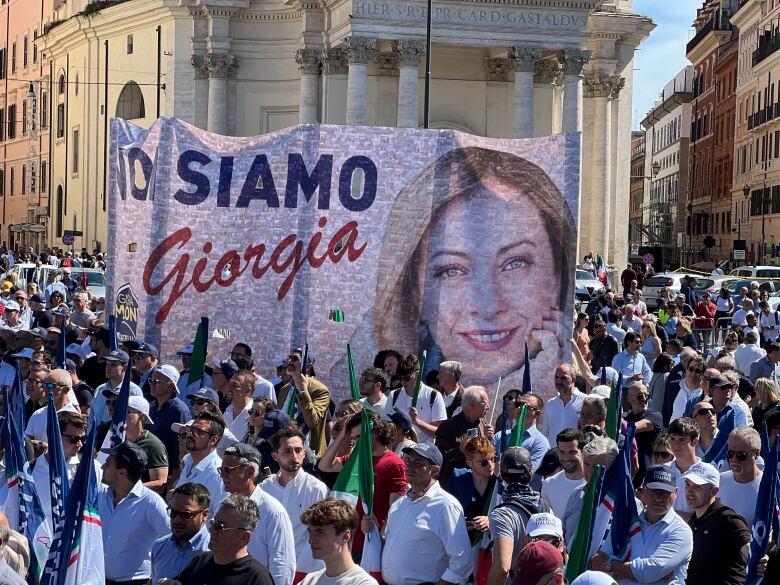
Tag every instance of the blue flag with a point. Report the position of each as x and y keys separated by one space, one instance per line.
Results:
x=716 y=454
x=58 y=474
x=113 y=340
x=765 y=516
x=305 y=360
x=76 y=555
x=526 y=373
x=118 y=427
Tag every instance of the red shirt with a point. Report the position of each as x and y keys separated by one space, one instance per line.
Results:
x=389 y=478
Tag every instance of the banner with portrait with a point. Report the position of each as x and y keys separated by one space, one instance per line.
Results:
x=433 y=240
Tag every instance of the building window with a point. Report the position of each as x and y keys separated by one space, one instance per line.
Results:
x=129 y=44
x=76 y=85
x=24 y=117
x=25 y=51
x=11 y=121
x=131 y=102
x=3 y=58
x=24 y=179
x=61 y=84
x=2 y=124
x=60 y=120
x=2 y=182
x=60 y=211
x=11 y=182
x=42 y=179
x=75 y=166
x=35 y=47
x=13 y=57
x=44 y=121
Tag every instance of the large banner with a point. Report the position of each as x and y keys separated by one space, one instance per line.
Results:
x=422 y=239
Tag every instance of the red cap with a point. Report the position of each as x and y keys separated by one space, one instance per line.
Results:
x=536 y=560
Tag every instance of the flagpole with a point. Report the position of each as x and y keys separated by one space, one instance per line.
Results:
x=495 y=401
x=427 y=93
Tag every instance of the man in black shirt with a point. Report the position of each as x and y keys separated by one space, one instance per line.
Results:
x=603 y=346
x=229 y=562
x=648 y=424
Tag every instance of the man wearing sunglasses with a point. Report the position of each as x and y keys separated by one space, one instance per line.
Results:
x=201 y=463
x=72 y=430
x=155 y=475
x=189 y=535
x=705 y=416
x=739 y=485
x=59 y=383
x=167 y=409
x=229 y=561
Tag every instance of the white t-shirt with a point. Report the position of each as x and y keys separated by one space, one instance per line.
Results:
x=740 y=497
x=355 y=576
x=38 y=423
x=557 y=489
x=428 y=413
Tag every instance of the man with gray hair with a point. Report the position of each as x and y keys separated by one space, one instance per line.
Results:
x=598 y=451
x=766 y=367
x=229 y=561
x=273 y=544
x=59 y=383
x=7 y=575
x=451 y=388
x=749 y=353
x=739 y=485
x=453 y=433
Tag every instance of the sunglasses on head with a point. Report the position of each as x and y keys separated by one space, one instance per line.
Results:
x=738 y=455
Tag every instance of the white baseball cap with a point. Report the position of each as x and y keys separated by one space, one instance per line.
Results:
x=140 y=404
x=544 y=524
x=702 y=473
x=593 y=578
x=601 y=391
x=169 y=372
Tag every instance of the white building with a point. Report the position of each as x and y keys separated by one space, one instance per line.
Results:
x=245 y=67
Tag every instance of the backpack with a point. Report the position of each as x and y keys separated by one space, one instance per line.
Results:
x=394 y=396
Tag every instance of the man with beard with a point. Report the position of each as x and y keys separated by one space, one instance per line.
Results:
x=562 y=411
x=201 y=464
x=557 y=489
x=296 y=490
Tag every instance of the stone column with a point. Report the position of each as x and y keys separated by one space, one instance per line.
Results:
x=358 y=50
x=334 y=85
x=308 y=61
x=200 y=99
x=220 y=67
x=524 y=59
x=601 y=87
x=573 y=63
x=546 y=74
x=409 y=53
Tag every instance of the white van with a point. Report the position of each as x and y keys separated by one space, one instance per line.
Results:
x=756 y=271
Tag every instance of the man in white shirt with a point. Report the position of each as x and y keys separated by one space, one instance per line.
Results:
x=201 y=464
x=60 y=384
x=372 y=385
x=296 y=490
x=631 y=362
x=451 y=388
x=740 y=315
x=426 y=533
x=739 y=486
x=683 y=439
x=430 y=410
x=273 y=543
x=613 y=326
x=769 y=321
x=749 y=353
x=242 y=385
x=562 y=411
x=331 y=524
x=557 y=488
x=630 y=320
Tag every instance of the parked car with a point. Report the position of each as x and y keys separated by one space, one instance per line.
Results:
x=586 y=285
x=757 y=271
x=96 y=280
x=673 y=282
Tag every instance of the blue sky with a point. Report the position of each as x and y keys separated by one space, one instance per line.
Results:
x=661 y=56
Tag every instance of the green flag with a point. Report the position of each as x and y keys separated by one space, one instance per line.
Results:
x=198 y=361
x=356 y=479
x=419 y=380
x=578 y=557
x=614 y=409
x=516 y=438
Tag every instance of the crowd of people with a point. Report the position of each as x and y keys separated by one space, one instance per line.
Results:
x=232 y=480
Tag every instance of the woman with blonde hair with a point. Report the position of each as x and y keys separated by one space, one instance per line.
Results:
x=684 y=334
x=469 y=243
x=651 y=343
x=767 y=396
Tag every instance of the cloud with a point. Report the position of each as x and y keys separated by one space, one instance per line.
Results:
x=661 y=56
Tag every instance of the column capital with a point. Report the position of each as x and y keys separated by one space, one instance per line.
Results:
x=334 y=61
x=359 y=49
x=221 y=65
x=574 y=60
x=308 y=61
x=409 y=52
x=525 y=58
x=548 y=72
x=199 y=63
x=497 y=68
x=387 y=63
x=603 y=85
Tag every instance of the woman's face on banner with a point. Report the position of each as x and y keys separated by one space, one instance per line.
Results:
x=489 y=280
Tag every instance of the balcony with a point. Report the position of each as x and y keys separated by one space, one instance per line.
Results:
x=768 y=44
x=716 y=23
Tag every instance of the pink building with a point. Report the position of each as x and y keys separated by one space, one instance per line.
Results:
x=25 y=119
